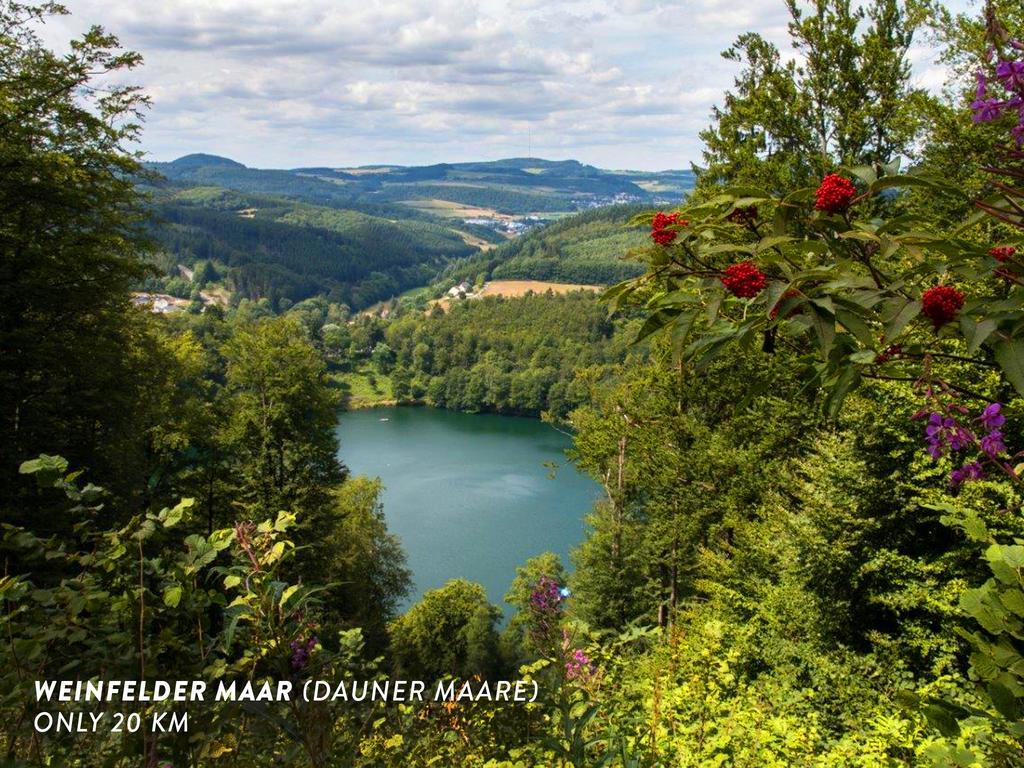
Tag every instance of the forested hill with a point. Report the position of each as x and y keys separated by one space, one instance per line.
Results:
x=591 y=247
x=362 y=235
x=266 y=247
x=508 y=187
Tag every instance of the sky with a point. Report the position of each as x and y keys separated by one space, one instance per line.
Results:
x=291 y=83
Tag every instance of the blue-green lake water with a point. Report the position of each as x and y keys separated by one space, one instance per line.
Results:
x=469 y=495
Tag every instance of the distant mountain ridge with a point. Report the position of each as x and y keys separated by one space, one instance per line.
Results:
x=361 y=235
x=510 y=186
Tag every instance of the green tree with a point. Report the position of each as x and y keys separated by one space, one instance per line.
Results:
x=364 y=562
x=282 y=413
x=70 y=239
x=450 y=632
x=848 y=99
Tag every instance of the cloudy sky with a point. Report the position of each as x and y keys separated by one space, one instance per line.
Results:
x=287 y=83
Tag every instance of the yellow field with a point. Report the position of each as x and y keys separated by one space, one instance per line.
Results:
x=513 y=288
x=522 y=287
x=456 y=210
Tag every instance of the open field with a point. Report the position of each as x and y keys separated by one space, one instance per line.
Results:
x=522 y=287
x=514 y=288
x=477 y=242
x=456 y=210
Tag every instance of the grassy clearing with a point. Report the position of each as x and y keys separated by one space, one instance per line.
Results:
x=363 y=387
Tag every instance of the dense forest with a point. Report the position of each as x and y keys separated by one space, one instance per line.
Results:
x=591 y=248
x=286 y=250
x=805 y=413
x=538 y=353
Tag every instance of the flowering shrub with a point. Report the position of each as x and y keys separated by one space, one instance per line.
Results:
x=302 y=649
x=946 y=434
x=578 y=666
x=850 y=289
x=744 y=215
x=1002 y=253
x=835 y=194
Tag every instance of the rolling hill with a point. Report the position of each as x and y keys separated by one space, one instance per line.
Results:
x=360 y=235
x=588 y=247
x=515 y=186
x=282 y=249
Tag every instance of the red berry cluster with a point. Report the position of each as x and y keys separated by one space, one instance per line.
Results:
x=743 y=215
x=744 y=279
x=940 y=303
x=835 y=194
x=1002 y=253
x=659 y=227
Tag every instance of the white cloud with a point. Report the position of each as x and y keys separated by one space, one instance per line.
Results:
x=286 y=83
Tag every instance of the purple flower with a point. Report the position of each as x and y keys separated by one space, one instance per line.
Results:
x=970 y=471
x=992 y=444
x=546 y=595
x=1011 y=74
x=981 y=91
x=578 y=665
x=987 y=110
x=944 y=433
x=992 y=418
x=935 y=435
x=959 y=438
x=301 y=651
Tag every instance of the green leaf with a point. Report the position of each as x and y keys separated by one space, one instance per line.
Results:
x=287 y=594
x=49 y=470
x=172 y=595
x=975 y=333
x=657 y=321
x=1003 y=700
x=1010 y=356
x=1011 y=554
x=865 y=173
x=772 y=241
x=856 y=234
x=942 y=720
x=908 y=312
x=888 y=182
x=856 y=326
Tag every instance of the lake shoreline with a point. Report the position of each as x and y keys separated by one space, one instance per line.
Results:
x=375 y=404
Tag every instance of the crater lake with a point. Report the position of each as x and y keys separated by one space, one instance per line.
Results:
x=469 y=495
